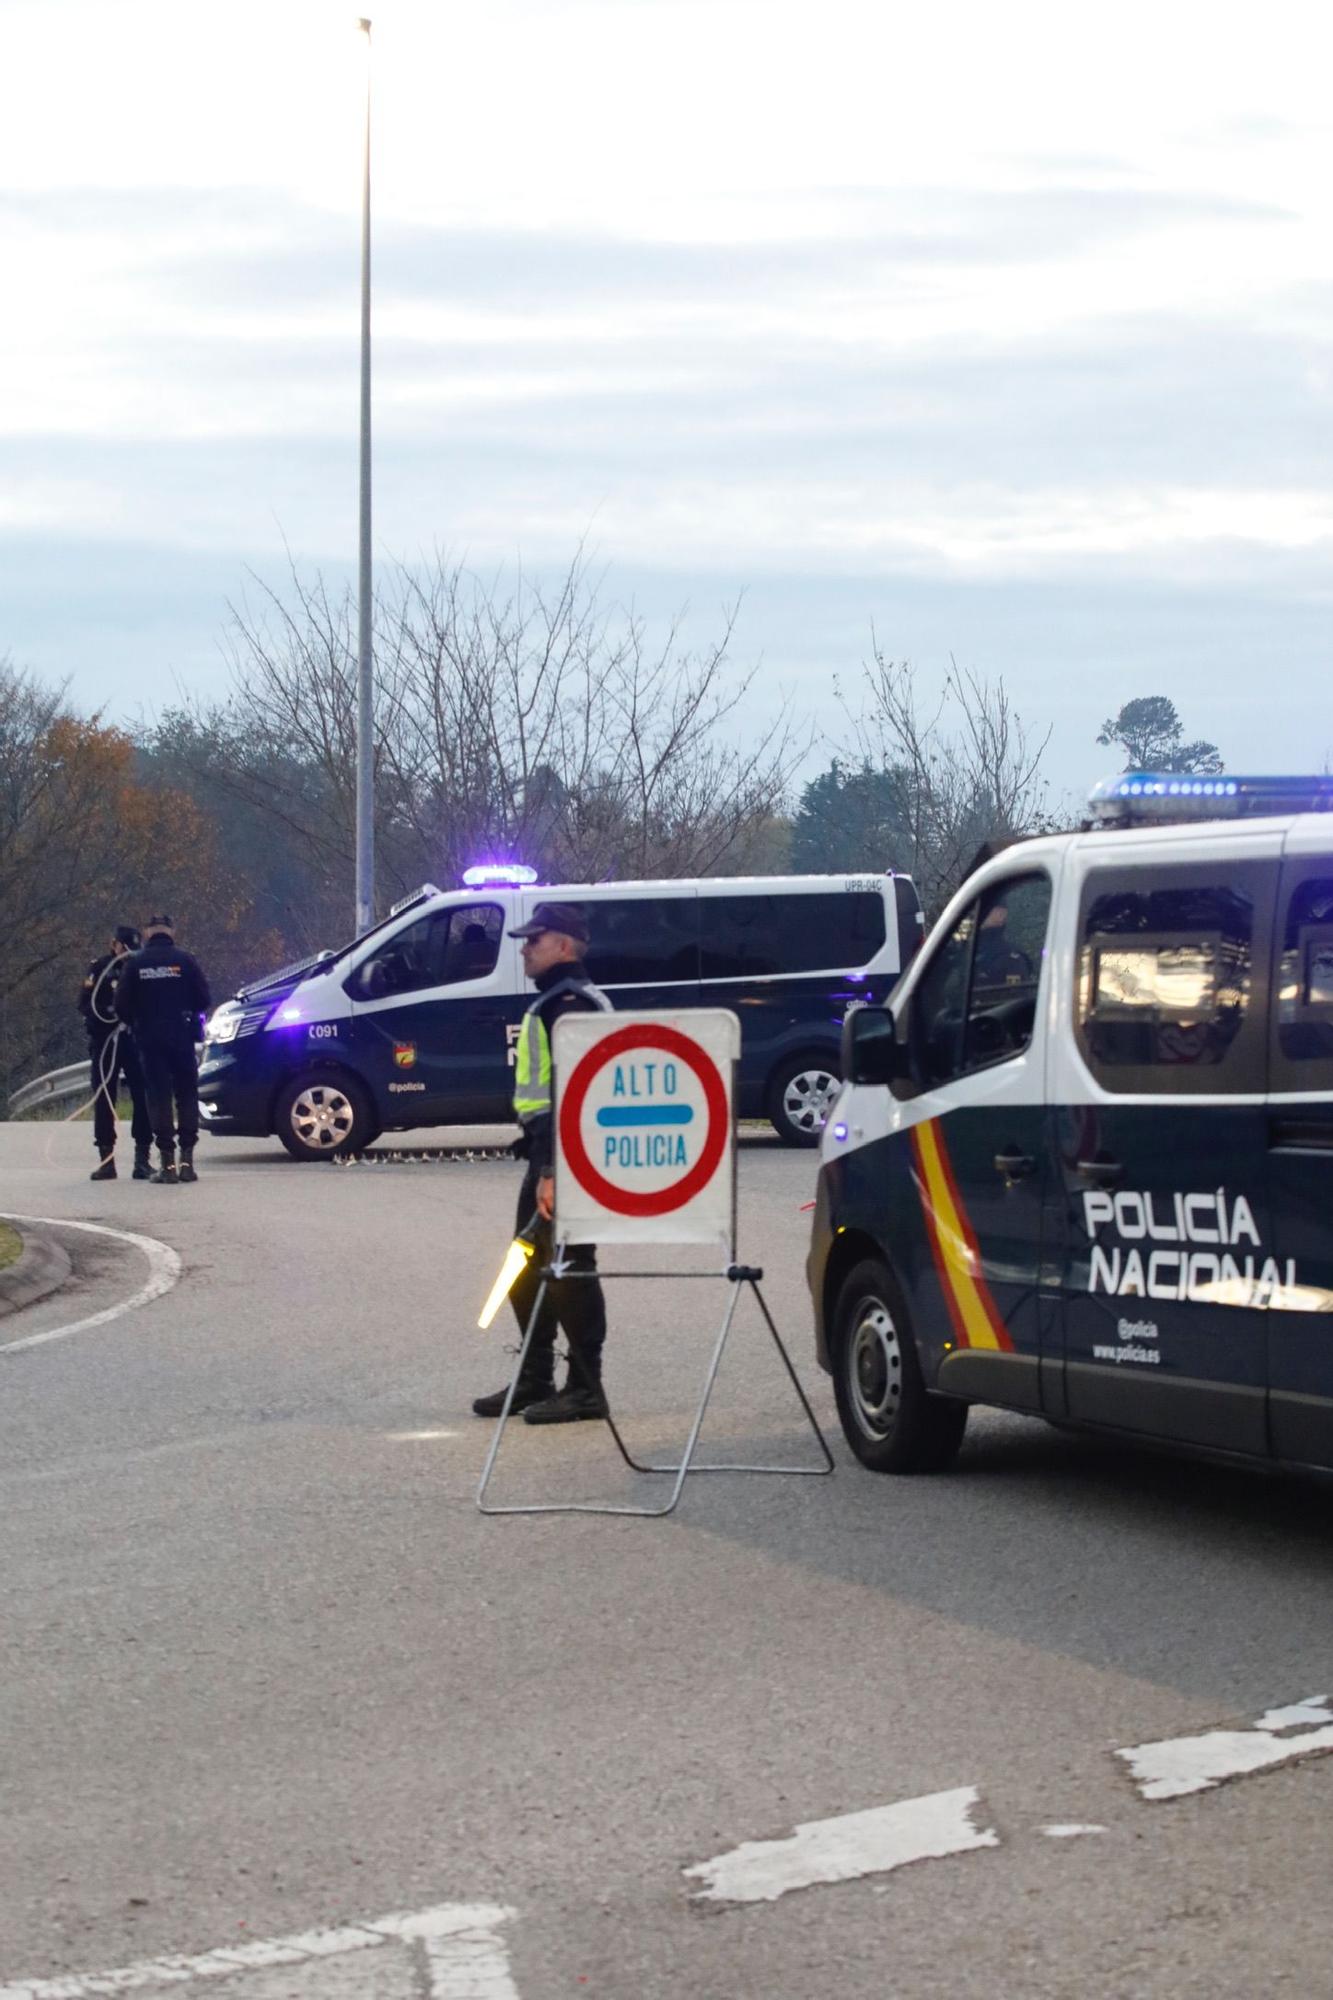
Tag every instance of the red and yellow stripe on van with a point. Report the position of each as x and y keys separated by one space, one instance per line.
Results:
x=976 y=1318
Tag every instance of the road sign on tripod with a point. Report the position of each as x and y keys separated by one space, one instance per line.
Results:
x=645 y=1128
x=645 y=1152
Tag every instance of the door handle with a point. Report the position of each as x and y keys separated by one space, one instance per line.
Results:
x=1301 y=1135
x=1102 y=1173
x=1015 y=1166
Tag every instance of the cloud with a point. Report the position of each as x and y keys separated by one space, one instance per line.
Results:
x=139 y=626
x=236 y=247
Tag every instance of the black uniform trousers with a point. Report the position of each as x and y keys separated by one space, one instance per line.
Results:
x=111 y=1058
x=171 y=1074
x=576 y=1305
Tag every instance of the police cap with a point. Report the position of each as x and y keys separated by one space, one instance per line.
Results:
x=567 y=918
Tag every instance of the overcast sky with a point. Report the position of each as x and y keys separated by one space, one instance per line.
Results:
x=1007 y=328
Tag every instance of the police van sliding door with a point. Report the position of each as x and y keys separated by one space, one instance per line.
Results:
x=1162 y=1143
x=1300 y=1141
x=644 y=949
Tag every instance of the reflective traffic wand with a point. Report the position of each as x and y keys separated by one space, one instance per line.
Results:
x=517 y=1258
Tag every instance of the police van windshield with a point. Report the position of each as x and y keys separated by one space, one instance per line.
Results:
x=328 y=959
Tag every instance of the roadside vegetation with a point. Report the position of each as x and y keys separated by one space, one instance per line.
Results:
x=512 y=722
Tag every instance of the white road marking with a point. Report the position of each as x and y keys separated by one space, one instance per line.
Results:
x=1181 y=1764
x=840 y=1850
x=1070 y=1830
x=419 y=1437
x=164 y=1268
x=465 y=1957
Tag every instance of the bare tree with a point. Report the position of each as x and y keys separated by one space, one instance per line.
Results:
x=512 y=721
x=966 y=768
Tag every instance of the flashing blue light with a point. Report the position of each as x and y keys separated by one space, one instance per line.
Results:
x=1168 y=797
x=840 y=1132
x=499 y=875
x=290 y=1014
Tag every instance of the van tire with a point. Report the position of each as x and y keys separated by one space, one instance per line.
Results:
x=324 y=1115
x=799 y=1098
x=889 y=1418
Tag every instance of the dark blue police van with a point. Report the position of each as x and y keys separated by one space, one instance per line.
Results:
x=415 y=1023
x=1083 y=1163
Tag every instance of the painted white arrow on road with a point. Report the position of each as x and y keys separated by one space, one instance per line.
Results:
x=459 y=1944
x=841 y=1850
x=1182 y=1764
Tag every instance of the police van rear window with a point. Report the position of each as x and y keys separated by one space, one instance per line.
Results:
x=1303 y=1001
x=748 y=937
x=1167 y=998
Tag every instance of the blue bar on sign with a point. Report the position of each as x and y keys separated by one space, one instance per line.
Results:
x=645 y=1114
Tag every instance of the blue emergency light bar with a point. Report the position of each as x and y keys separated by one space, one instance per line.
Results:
x=499 y=875
x=1136 y=798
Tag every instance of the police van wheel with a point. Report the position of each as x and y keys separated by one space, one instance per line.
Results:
x=888 y=1418
x=322 y=1117
x=800 y=1099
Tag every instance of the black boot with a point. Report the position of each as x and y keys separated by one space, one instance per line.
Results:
x=529 y=1389
x=143 y=1165
x=187 y=1172
x=578 y=1402
x=165 y=1175
x=105 y=1170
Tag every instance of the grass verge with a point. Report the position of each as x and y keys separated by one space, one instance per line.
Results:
x=11 y=1245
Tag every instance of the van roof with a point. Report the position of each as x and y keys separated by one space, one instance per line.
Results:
x=548 y=892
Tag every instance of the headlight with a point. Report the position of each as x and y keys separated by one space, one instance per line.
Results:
x=223 y=1024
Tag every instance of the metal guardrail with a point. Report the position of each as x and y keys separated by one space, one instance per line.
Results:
x=46 y=1089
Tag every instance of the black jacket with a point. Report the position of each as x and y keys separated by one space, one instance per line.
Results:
x=564 y=989
x=103 y=1022
x=161 y=994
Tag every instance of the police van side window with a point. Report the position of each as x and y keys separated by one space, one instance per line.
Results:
x=442 y=949
x=1166 y=996
x=640 y=941
x=976 y=1002
x=750 y=937
x=1303 y=995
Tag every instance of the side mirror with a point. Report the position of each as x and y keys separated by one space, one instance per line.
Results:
x=871 y=1051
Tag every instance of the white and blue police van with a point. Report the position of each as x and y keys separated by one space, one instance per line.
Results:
x=416 y=1022
x=1082 y=1164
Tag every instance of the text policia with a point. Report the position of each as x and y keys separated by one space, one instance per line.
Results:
x=1198 y=1246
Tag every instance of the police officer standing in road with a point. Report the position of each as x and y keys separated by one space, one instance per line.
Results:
x=112 y=1055
x=554 y=942
x=161 y=995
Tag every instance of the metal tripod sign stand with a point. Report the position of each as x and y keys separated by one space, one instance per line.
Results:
x=645 y=1153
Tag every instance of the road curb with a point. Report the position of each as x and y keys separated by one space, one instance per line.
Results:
x=42 y=1268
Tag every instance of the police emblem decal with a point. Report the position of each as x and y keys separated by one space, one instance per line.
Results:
x=405 y=1055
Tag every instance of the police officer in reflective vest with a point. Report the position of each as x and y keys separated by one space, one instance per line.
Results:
x=554 y=942
x=161 y=997
x=111 y=1056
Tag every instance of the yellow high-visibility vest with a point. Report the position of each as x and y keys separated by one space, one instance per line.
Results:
x=532 y=1060
x=532 y=1068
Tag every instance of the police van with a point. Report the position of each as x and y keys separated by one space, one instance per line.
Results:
x=415 y=1023
x=1083 y=1164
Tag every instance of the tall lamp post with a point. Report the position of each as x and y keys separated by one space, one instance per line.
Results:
x=365 y=683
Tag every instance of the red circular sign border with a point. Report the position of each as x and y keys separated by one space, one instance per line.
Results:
x=665 y=1200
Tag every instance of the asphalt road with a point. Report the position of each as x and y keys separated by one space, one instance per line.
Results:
x=265 y=1671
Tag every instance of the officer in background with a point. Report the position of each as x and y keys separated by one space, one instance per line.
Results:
x=554 y=942
x=161 y=995
x=997 y=961
x=112 y=1056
